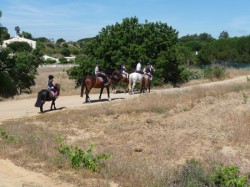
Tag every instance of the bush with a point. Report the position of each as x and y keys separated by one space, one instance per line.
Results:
x=7 y=86
x=193 y=174
x=215 y=71
x=80 y=158
x=49 y=61
x=228 y=176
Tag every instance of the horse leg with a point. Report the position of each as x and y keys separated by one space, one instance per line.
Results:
x=133 y=87
x=108 y=93
x=101 y=93
x=41 y=107
x=53 y=104
x=87 y=96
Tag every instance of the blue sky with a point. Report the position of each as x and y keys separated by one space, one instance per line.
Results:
x=77 y=19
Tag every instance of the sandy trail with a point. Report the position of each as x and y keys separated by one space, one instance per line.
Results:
x=14 y=176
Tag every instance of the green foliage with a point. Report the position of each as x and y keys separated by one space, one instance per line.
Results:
x=215 y=71
x=80 y=158
x=19 y=69
x=4 y=35
x=60 y=40
x=63 y=60
x=195 y=74
x=49 y=61
x=65 y=51
x=20 y=47
x=245 y=97
x=226 y=49
x=7 y=86
x=193 y=174
x=26 y=35
x=129 y=42
x=228 y=176
x=9 y=138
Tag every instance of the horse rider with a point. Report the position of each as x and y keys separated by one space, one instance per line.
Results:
x=138 y=68
x=51 y=86
x=98 y=73
x=124 y=70
x=148 y=69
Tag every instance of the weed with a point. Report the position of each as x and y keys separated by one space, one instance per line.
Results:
x=248 y=79
x=8 y=137
x=228 y=176
x=80 y=158
x=245 y=97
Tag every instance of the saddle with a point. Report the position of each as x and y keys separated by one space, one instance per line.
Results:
x=54 y=94
x=100 y=79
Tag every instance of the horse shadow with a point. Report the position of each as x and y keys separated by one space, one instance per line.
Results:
x=103 y=100
x=45 y=111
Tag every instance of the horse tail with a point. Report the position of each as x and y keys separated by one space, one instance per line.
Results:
x=143 y=83
x=83 y=86
x=39 y=100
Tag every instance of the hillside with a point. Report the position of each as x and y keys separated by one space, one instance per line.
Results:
x=150 y=137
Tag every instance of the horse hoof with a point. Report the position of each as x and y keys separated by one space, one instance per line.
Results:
x=109 y=99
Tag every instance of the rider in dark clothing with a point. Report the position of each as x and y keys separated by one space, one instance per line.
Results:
x=147 y=70
x=51 y=85
x=124 y=70
x=100 y=74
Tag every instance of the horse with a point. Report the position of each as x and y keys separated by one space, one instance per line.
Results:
x=93 y=82
x=145 y=83
x=133 y=79
x=137 y=78
x=118 y=77
x=47 y=95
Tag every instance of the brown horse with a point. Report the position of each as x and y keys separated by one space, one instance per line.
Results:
x=118 y=77
x=145 y=84
x=47 y=95
x=93 y=82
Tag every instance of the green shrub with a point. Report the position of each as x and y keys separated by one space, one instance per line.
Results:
x=80 y=158
x=7 y=85
x=228 y=176
x=9 y=138
x=215 y=71
x=191 y=175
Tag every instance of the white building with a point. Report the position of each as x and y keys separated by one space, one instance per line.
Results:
x=32 y=43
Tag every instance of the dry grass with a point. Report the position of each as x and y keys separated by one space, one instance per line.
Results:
x=149 y=136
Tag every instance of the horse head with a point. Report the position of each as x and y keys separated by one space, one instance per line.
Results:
x=57 y=87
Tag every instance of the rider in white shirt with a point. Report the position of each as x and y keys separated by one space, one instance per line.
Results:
x=138 y=68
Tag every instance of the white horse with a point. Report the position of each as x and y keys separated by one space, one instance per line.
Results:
x=133 y=79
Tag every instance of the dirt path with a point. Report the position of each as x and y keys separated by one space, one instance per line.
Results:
x=12 y=175
x=25 y=107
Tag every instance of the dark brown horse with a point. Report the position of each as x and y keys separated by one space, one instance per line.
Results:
x=47 y=95
x=93 y=82
x=118 y=77
x=145 y=84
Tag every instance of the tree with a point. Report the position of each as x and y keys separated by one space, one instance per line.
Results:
x=26 y=35
x=223 y=35
x=25 y=69
x=17 y=29
x=60 y=40
x=129 y=42
x=20 y=47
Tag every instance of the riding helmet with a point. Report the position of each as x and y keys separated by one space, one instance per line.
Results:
x=51 y=77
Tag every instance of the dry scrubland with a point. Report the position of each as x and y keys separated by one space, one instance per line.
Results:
x=150 y=137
